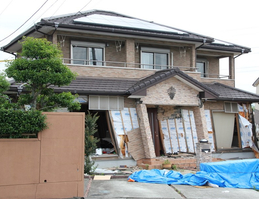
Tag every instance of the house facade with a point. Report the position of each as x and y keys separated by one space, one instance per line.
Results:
x=158 y=90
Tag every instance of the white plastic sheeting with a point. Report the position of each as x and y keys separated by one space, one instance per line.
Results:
x=180 y=133
x=245 y=132
x=209 y=128
x=122 y=122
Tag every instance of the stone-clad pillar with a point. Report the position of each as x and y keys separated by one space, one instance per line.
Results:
x=200 y=122
x=145 y=131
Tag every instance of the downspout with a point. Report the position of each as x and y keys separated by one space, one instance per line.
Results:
x=204 y=41
x=242 y=52
x=49 y=35
x=2 y=49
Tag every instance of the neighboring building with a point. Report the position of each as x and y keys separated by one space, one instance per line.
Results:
x=256 y=110
x=161 y=81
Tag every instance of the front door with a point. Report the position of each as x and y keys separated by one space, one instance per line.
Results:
x=152 y=116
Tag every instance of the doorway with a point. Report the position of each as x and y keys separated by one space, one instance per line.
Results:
x=153 y=122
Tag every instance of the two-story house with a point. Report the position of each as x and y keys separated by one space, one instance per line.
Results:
x=157 y=89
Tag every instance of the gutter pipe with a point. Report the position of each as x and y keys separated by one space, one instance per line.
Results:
x=204 y=41
x=242 y=52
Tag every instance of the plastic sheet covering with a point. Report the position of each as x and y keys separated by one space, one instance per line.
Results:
x=188 y=131
x=245 y=132
x=232 y=174
x=209 y=127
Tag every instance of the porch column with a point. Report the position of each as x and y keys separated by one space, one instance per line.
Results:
x=193 y=58
x=55 y=38
x=145 y=131
x=200 y=122
x=231 y=67
x=130 y=53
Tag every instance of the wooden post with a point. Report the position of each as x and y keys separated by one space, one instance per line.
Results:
x=110 y=131
x=162 y=135
x=238 y=131
x=168 y=127
x=177 y=134
x=191 y=131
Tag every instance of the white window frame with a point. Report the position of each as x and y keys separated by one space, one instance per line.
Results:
x=87 y=45
x=156 y=50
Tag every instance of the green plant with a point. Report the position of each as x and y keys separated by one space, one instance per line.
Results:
x=38 y=67
x=90 y=141
x=166 y=162
x=147 y=166
x=174 y=167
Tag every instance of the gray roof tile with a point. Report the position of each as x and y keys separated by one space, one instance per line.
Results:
x=233 y=94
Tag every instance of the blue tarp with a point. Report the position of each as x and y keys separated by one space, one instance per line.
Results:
x=232 y=174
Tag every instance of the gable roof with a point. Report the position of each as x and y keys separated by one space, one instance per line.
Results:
x=163 y=75
x=227 y=93
x=106 y=22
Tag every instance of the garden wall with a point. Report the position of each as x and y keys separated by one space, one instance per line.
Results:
x=50 y=166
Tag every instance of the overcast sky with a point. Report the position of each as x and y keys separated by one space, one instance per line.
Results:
x=235 y=21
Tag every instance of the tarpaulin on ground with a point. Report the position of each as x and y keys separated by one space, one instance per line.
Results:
x=232 y=174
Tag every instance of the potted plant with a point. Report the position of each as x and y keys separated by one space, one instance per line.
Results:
x=166 y=164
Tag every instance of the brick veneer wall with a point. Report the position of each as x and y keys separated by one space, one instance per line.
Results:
x=145 y=131
x=158 y=94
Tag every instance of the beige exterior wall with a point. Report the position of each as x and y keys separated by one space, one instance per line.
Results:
x=214 y=105
x=51 y=166
x=158 y=94
x=184 y=55
x=92 y=71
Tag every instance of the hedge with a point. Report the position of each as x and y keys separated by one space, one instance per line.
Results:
x=19 y=124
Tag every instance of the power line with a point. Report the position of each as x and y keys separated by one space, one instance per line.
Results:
x=85 y=6
x=24 y=22
x=6 y=7
x=57 y=9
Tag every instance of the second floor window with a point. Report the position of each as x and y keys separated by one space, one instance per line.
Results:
x=154 y=58
x=86 y=53
x=201 y=67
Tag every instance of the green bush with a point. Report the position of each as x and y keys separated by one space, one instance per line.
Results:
x=18 y=123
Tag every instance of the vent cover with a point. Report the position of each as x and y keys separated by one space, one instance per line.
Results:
x=106 y=102
x=231 y=107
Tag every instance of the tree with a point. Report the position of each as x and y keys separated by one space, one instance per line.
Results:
x=90 y=140
x=4 y=85
x=38 y=67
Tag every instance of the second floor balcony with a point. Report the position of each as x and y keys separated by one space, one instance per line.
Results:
x=139 y=70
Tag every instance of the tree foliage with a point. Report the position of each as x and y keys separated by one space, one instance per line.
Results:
x=4 y=85
x=39 y=67
x=90 y=140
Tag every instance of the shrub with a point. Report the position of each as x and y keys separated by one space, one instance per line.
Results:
x=18 y=123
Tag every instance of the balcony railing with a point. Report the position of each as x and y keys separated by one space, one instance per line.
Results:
x=83 y=62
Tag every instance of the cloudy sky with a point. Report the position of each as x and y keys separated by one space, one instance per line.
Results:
x=235 y=21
